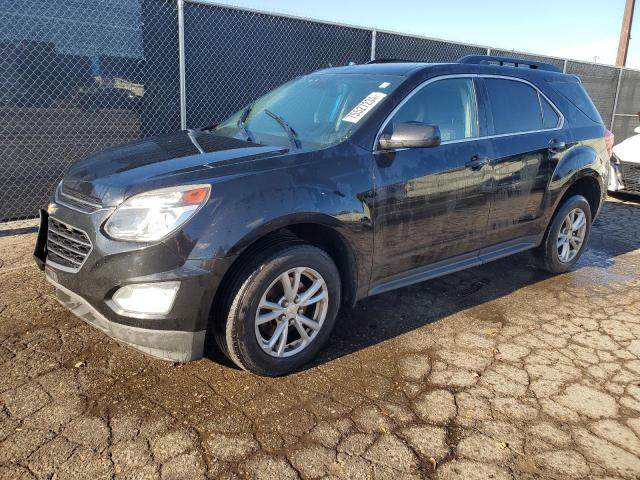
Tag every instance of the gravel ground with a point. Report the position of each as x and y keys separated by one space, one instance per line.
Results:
x=496 y=372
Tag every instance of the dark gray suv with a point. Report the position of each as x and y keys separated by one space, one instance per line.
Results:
x=341 y=184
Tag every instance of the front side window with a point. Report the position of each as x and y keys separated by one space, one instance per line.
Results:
x=448 y=103
x=515 y=106
x=322 y=109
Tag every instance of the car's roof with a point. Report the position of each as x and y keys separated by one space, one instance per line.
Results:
x=387 y=68
x=407 y=69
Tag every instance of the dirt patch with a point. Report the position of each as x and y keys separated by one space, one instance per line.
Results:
x=498 y=371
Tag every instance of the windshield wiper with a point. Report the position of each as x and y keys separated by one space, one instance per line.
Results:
x=242 y=127
x=291 y=133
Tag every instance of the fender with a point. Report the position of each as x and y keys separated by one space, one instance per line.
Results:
x=264 y=229
x=356 y=240
x=232 y=225
x=357 y=268
x=333 y=190
x=574 y=160
x=576 y=163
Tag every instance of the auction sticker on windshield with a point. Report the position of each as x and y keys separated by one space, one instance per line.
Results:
x=364 y=107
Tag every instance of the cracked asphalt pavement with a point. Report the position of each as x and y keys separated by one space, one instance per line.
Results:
x=497 y=372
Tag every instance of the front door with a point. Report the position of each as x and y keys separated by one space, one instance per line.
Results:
x=432 y=204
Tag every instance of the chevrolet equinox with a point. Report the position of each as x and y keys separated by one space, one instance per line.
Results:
x=337 y=185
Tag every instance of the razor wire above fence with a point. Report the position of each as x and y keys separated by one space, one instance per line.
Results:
x=77 y=77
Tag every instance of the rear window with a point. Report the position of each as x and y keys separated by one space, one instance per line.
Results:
x=514 y=105
x=576 y=94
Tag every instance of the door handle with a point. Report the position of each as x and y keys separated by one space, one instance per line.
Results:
x=556 y=146
x=477 y=162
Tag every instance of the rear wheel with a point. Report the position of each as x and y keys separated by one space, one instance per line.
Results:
x=566 y=236
x=280 y=309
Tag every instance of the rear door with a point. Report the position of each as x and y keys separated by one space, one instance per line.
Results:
x=527 y=136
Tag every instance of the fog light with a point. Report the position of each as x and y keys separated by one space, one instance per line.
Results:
x=146 y=298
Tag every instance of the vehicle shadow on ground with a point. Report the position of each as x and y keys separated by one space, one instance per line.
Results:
x=388 y=315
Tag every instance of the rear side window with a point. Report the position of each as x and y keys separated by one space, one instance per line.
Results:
x=576 y=94
x=550 y=118
x=514 y=105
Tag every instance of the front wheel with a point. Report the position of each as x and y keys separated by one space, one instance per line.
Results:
x=280 y=309
x=566 y=236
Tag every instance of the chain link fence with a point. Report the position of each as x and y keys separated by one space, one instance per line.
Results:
x=628 y=103
x=601 y=82
x=233 y=56
x=77 y=77
x=406 y=47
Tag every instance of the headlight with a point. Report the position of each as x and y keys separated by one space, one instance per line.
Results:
x=153 y=215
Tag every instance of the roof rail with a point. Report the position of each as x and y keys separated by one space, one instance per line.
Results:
x=387 y=60
x=509 y=62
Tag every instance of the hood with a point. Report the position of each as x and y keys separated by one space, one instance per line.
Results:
x=106 y=177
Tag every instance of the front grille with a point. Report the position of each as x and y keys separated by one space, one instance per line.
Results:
x=630 y=176
x=67 y=246
x=77 y=200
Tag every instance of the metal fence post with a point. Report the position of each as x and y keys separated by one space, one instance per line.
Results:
x=615 y=99
x=182 y=68
x=564 y=66
x=488 y=52
x=374 y=34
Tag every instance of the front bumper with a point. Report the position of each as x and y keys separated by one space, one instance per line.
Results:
x=624 y=176
x=174 y=345
x=87 y=292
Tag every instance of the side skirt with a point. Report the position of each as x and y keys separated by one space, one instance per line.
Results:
x=455 y=264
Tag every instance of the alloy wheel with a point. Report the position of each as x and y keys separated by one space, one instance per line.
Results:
x=571 y=235
x=291 y=312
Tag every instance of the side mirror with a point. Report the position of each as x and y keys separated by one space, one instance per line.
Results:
x=411 y=135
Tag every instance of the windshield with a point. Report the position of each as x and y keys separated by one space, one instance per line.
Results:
x=311 y=112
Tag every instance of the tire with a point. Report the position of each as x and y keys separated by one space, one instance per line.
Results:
x=246 y=344
x=549 y=255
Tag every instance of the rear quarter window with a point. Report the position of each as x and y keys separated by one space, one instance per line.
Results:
x=550 y=118
x=577 y=95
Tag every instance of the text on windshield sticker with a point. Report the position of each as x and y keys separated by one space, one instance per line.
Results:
x=364 y=107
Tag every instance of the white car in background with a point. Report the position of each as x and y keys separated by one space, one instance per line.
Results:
x=625 y=166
